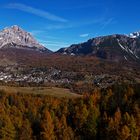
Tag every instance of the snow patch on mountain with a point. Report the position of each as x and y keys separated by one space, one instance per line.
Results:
x=125 y=58
x=135 y=35
x=124 y=48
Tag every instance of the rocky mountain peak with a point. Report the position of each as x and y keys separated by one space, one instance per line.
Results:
x=16 y=37
x=15 y=27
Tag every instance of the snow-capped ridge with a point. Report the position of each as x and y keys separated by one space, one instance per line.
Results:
x=134 y=35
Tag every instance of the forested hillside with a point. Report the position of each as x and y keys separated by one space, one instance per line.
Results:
x=106 y=114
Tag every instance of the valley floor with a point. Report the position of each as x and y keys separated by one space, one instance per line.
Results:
x=51 y=91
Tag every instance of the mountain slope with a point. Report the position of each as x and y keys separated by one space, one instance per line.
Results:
x=15 y=37
x=112 y=47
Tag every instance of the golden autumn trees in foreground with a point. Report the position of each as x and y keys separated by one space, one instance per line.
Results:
x=112 y=113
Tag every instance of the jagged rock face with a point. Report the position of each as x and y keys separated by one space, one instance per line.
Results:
x=18 y=38
x=112 y=47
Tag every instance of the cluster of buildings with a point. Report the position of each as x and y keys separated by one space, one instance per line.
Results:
x=34 y=75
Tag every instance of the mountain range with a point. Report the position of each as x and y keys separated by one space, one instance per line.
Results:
x=112 y=47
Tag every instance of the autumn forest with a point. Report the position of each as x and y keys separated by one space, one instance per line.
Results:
x=108 y=114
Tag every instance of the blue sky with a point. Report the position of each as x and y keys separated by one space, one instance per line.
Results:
x=60 y=23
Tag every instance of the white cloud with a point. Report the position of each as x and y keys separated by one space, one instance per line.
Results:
x=84 y=35
x=37 y=12
x=75 y=7
x=75 y=25
x=107 y=22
